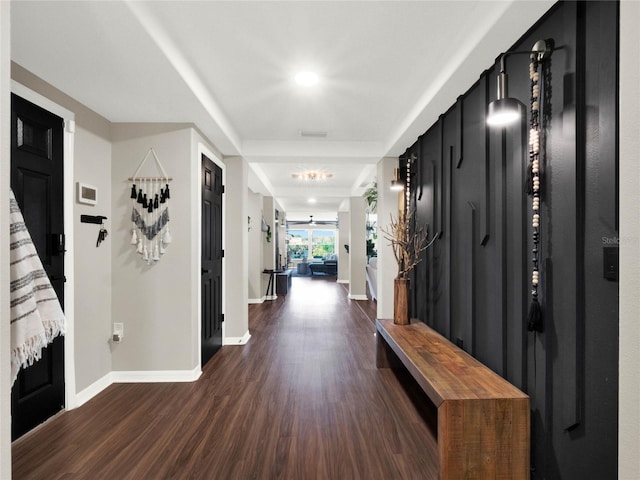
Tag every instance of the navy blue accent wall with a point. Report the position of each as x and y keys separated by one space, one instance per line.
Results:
x=473 y=287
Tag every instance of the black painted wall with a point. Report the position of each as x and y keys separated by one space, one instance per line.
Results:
x=473 y=287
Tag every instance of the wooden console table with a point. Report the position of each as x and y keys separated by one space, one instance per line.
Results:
x=483 y=420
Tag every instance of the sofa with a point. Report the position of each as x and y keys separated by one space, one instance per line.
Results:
x=327 y=266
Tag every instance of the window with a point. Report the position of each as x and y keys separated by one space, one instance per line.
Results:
x=322 y=243
x=310 y=244
x=298 y=244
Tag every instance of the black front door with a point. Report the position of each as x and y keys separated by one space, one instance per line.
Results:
x=36 y=179
x=212 y=253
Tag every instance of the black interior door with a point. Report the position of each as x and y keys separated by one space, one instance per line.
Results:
x=212 y=253
x=37 y=181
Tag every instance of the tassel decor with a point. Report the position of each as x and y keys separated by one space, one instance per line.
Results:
x=150 y=213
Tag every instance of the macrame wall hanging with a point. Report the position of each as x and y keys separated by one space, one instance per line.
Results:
x=150 y=212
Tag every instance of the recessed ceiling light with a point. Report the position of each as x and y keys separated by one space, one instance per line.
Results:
x=312 y=200
x=306 y=78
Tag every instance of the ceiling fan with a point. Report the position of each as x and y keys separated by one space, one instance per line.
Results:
x=312 y=222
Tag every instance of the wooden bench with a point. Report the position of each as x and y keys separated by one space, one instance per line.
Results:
x=483 y=421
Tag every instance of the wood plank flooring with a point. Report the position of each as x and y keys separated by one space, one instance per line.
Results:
x=302 y=400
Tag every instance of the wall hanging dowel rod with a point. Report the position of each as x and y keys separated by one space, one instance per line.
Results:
x=149 y=179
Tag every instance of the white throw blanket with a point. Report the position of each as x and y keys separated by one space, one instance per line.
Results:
x=36 y=315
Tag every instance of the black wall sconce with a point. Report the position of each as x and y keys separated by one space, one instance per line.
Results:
x=505 y=110
x=396 y=183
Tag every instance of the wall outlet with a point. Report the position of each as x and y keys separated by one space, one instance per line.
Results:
x=118 y=332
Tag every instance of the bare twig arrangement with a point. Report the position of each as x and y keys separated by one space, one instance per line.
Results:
x=407 y=246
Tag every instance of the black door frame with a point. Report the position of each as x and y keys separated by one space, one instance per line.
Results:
x=70 y=397
x=203 y=150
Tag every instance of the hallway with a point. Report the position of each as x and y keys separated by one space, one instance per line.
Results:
x=302 y=400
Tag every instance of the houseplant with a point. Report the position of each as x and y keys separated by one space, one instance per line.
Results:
x=371 y=197
x=407 y=245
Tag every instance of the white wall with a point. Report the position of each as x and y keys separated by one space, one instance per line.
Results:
x=629 y=402
x=236 y=324
x=5 y=162
x=387 y=266
x=254 y=280
x=92 y=265
x=342 y=240
x=154 y=302
x=357 y=248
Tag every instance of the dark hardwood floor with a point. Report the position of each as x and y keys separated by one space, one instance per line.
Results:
x=302 y=400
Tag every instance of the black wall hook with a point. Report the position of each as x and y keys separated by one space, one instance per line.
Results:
x=97 y=219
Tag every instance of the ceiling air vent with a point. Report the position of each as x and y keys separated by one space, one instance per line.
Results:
x=313 y=134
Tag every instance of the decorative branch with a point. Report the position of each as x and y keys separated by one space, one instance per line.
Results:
x=406 y=245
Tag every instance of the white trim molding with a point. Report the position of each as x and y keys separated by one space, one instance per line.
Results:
x=157 y=376
x=92 y=390
x=358 y=297
x=237 y=340
x=152 y=376
x=257 y=300
x=342 y=281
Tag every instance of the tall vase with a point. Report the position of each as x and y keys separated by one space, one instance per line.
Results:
x=401 y=301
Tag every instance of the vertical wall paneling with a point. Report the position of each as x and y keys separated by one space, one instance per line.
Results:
x=419 y=165
x=471 y=269
x=562 y=187
x=485 y=206
x=600 y=379
x=439 y=154
x=475 y=284
x=459 y=133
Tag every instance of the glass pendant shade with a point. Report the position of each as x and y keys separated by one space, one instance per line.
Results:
x=396 y=183
x=503 y=112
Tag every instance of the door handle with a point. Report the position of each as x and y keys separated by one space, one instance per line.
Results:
x=204 y=270
x=58 y=243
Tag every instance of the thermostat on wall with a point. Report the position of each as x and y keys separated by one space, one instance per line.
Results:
x=87 y=194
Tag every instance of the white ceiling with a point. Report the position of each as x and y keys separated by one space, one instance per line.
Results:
x=387 y=70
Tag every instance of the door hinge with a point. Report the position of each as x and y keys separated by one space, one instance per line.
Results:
x=222 y=189
x=222 y=253
x=222 y=317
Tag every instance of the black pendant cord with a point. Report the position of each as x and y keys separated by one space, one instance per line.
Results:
x=534 y=318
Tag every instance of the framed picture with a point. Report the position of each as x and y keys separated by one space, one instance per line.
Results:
x=87 y=194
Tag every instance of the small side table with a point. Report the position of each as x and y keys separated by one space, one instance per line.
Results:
x=272 y=283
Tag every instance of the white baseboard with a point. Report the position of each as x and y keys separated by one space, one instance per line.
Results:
x=91 y=391
x=270 y=297
x=237 y=340
x=358 y=297
x=157 y=376
x=256 y=300
x=151 y=376
x=343 y=281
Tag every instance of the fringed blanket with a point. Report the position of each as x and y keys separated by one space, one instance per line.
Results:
x=36 y=316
